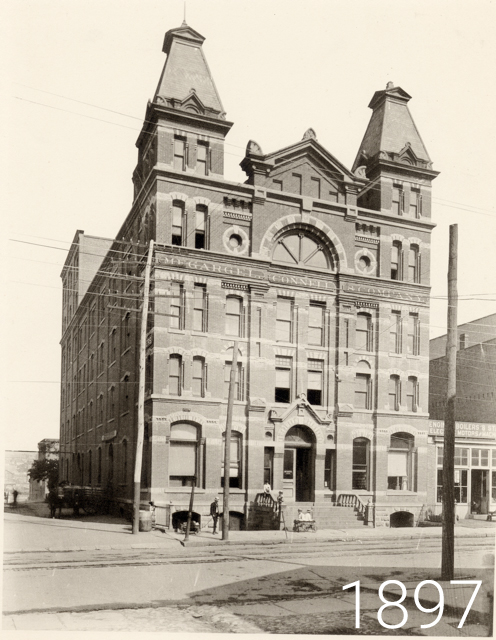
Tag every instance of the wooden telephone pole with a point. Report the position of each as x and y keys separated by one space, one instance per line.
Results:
x=141 y=393
x=448 y=542
x=227 y=447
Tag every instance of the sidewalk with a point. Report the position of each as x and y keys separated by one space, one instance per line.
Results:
x=25 y=531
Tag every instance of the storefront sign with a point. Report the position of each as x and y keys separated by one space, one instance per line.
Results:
x=465 y=429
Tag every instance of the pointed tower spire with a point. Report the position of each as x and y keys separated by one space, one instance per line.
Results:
x=392 y=152
x=186 y=82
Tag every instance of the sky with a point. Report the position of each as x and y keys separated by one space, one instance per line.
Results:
x=76 y=79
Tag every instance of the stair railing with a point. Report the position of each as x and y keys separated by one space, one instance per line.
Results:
x=351 y=500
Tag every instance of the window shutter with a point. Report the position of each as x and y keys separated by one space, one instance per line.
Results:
x=419 y=205
x=205 y=314
x=167 y=144
x=208 y=166
x=186 y=156
x=242 y=328
x=400 y=264
x=205 y=376
x=419 y=267
x=398 y=398
x=242 y=384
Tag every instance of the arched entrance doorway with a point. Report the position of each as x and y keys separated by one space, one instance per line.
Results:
x=299 y=464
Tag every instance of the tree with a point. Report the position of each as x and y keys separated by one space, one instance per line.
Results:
x=47 y=470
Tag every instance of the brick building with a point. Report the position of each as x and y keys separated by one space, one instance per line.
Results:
x=475 y=429
x=320 y=272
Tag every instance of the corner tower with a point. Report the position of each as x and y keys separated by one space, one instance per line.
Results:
x=393 y=157
x=185 y=124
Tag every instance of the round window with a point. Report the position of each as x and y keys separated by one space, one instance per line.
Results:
x=364 y=262
x=235 y=241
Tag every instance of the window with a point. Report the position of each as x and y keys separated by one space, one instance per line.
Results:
x=200 y=226
x=413 y=338
x=92 y=367
x=99 y=466
x=101 y=359
x=412 y=394
x=234 y=307
x=401 y=462
x=284 y=367
x=363 y=390
x=398 y=205
x=202 y=161
x=413 y=264
x=395 y=333
x=200 y=308
x=363 y=332
x=360 y=474
x=284 y=320
x=463 y=341
x=175 y=375
x=460 y=486
x=177 y=223
x=315 y=381
x=238 y=389
x=415 y=209
x=461 y=456
x=180 y=154
x=299 y=249
x=112 y=402
x=480 y=457
x=268 y=465
x=235 y=460
x=316 y=324
x=125 y=390
x=394 y=393
x=277 y=185
x=396 y=261
x=176 y=306
x=184 y=459
x=198 y=377
x=100 y=408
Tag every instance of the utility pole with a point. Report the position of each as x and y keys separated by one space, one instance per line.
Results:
x=448 y=542
x=141 y=394
x=227 y=447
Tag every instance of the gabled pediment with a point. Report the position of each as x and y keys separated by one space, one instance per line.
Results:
x=300 y=407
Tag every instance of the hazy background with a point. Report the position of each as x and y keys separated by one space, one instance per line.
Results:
x=280 y=67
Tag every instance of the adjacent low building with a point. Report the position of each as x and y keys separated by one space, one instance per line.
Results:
x=319 y=272
x=475 y=429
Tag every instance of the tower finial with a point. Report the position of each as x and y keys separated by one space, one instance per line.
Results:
x=184 y=19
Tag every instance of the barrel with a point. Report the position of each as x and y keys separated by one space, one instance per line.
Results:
x=145 y=521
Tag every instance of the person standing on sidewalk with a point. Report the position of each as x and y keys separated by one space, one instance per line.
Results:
x=214 y=512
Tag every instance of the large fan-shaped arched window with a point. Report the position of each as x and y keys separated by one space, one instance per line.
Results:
x=300 y=249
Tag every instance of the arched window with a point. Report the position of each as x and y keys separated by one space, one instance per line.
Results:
x=297 y=248
x=363 y=386
x=235 y=460
x=234 y=309
x=413 y=264
x=177 y=222
x=402 y=462
x=361 y=459
x=412 y=394
x=363 y=339
x=396 y=261
x=184 y=459
x=175 y=375
x=198 y=377
x=394 y=393
x=200 y=226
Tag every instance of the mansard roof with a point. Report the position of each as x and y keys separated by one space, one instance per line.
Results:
x=391 y=131
x=186 y=73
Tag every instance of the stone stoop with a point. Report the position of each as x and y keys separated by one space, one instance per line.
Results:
x=326 y=517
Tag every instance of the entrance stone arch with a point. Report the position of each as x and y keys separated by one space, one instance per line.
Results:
x=300 y=445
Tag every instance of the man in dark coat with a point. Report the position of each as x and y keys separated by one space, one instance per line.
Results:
x=214 y=512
